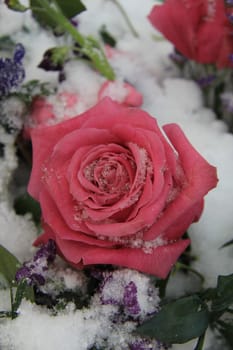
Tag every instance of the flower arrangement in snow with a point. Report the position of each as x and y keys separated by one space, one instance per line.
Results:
x=114 y=189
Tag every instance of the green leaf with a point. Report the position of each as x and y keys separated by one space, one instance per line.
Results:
x=92 y=49
x=69 y=9
x=23 y=291
x=42 y=16
x=6 y=43
x=33 y=88
x=224 y=294
x=9 y=264
x=26 y=204
x=15 y=5
x=178 y=321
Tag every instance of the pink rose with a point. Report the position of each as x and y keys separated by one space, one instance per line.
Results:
x=199 y=29
x=114 y=189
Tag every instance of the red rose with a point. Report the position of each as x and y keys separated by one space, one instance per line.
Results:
x=115 y=190
x=199 y=29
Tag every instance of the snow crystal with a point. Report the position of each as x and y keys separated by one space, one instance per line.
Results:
x=17 y=233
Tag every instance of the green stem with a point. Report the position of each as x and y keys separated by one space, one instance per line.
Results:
x=58 y=17
x=126 y=17
x=89 y=46
x=12 y=303
x=200 y=343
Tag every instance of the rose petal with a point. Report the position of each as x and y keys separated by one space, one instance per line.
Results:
x=158 y=263
x=52 y=218
x=201 y=178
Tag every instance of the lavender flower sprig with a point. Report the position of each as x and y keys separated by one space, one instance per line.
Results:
x=12 y=72
x=34 y=271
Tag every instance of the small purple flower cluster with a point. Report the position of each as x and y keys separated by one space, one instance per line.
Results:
x=122 y=289
x=34 y=271
x=130 y=300
x=206 y=81
x=12 y=72
x=227 y=102
x=177 y=57
x=229 y=2
x=127 y=300
x=143 y=344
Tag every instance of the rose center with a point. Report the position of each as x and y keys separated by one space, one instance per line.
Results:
x=108 y=174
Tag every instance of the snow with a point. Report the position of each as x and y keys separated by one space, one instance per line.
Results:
x=77 y=329
x=143 y=62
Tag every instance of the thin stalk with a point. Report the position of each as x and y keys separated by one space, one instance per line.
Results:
x=200 y=342
x=12 y=303
x=88 y=45
x=188 y=268
x=60 y=19
x=126 y=18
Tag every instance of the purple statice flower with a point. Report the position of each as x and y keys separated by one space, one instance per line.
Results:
x=227 y=101
x=229 y=2
x=108 y=298
x=47 y=251
x=116 y=291
x=12 y=72
x=231 y=57
x=130 y=300
x=230 y=17
x=139 y=345
x=206 y=81
x=177 y=57
x=34 y=271
x=144 y=344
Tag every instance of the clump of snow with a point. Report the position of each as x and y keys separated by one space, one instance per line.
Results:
x=8 y=162
x=82 y=80
x=115 y=285
x=14 y=20
x=60 y=278
x=12 y=113
x=117 y=91
x=37 y=328
x=5 y=304
x=17 y=233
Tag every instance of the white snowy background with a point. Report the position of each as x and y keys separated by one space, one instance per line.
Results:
x=144 y=62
